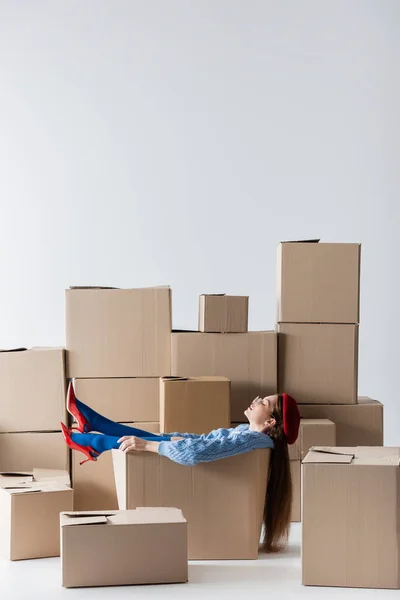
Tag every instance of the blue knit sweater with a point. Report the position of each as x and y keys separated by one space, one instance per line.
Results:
x=220 y=443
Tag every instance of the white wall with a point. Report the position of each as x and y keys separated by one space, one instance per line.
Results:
x=177 y=141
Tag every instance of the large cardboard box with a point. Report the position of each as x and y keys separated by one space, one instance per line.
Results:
x=351 y=516
x=118 y=333
x=219 y=313
x=30 y=506
x=312 y=432
x=318 y=283
x=194 y=405
x=32 y=396
x=131 y=547
x=356 y=424
x=121 y=399
x=26 y=451
x=223 y=500
x=249 y=360
x=318 y=364
x=295 y=471
x=94 y=482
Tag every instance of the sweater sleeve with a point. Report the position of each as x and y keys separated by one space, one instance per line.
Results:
x=203 y=436
x=190 y=452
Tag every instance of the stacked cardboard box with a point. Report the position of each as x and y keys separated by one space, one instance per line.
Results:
x=32 y=405
x=118 y=345
x=248 y=359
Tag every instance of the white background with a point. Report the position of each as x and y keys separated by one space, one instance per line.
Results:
x=150 y=142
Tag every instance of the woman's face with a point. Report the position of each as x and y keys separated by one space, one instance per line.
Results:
x=261 y=409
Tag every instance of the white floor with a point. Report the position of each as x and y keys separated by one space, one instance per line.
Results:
x=276 y=576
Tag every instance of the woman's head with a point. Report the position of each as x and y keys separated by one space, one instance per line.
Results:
x=276 y=415
x=263 y=412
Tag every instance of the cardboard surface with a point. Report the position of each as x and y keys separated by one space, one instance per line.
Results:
x=29 y=514
x=249 y=360
x=223 y=500
x=318 y=283
x=351 y=513
x=356 y=425
x=318 y=364
x=219 y=313
x=295 y=470
x=118 y=333
x=94 y=482
x=194 y=405
x=143 y=546
x=25 y=451
x=121 y=399
x=312 y=432
x=32 y=394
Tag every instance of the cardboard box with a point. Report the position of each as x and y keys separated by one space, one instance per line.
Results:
x=32 y=389
x=295 y=470
x=122 y=399
x=356 y=424
x=94 y=482
x=318 y=283
x=30 y=506
x=26 y=451
x=223 y=501
x=131 y=547
x=312 y=432
x=194 y=405
x=318 y=364
x=351 y=516
x=249 y=360
x=219 y=313
x=118 y=333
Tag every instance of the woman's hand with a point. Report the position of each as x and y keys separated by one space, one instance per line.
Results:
x=131 y=443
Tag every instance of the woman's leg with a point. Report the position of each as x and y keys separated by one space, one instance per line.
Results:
x=101 y=443
x=108 y=427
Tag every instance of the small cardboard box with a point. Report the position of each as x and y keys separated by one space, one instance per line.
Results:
x=30 y=506
x=195 y=405
x=27 y=451
x=249 y=360
x=356 y=424
x=121 y=399
x=318 y=282
x=94 y=482
x=147 y=545
x=219 y=313
x=223 y=501
x=318 y=364
x=351 y=516
x=32 y=389
x=118 y=333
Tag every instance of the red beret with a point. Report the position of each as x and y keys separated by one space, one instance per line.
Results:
x=291 y=418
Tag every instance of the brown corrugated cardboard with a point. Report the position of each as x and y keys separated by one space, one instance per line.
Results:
x=318 y=364
x=356 y=425
x=318 y=283
x=30 y=509
x=121 y=399
x=223 y=500
x=21 y=451
x=32 y=389
x=195 y=405
x=219 y=313
x=295 y=470
x=94 y=482
x=249 y=360
x=130 y=547
x=312 y=432
x=118 y=333
x=351 y=516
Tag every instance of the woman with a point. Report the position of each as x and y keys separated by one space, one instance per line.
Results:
x=273 y=423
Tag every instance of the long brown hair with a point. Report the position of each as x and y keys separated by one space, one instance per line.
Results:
x=278 y=499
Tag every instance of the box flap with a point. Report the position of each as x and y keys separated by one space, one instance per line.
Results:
x=319 y=454
x=23 y=489
x=175 y=378
x=8 y=480
x=14 y=350
x=212 y=294
x=52 y=476
x=94 y=520
x=92 y=287
x=314 y=241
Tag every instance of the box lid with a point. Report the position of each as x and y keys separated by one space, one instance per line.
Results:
x=312 y=241
x=40 y=480
x=360 y=455
x=138 y=516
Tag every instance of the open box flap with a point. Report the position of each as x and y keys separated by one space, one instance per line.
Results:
x=320 y=454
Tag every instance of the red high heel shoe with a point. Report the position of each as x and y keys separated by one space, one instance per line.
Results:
x=83 y=424
x=86 y=450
